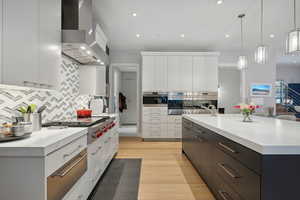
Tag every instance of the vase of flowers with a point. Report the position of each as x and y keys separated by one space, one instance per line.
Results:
x=247 y=110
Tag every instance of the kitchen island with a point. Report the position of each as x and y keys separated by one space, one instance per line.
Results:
x=244 y=161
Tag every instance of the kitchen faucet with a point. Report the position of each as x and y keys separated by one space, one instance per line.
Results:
x=212 y=109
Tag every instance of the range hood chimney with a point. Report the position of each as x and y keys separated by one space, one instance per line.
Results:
x=82 y=39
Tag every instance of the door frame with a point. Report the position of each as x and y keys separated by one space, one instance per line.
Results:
x=139 y=88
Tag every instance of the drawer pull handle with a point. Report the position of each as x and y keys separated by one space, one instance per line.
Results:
x=98 y=149
x=66 y=171
x=226 y=147
x=224 y=195
x=72 y=152
x=228 y=171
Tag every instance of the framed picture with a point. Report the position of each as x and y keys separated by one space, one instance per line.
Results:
x=261 y=90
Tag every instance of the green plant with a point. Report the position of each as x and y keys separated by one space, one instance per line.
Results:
x=29 y=109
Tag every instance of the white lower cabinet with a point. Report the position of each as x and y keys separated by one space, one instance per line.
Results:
x=158 y=124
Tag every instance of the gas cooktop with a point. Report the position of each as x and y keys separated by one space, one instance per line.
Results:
x=77 y=122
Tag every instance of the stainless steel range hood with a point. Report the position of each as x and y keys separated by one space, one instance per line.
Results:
x=83 y=40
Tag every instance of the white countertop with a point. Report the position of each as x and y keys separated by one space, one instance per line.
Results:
x=42 y=142
x=263 y=135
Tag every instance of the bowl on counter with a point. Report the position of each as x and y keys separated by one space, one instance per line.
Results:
x=84 y=113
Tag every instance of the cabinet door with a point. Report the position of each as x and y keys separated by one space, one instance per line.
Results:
x=1 y=29
x=211 y=73
x=161 y=73
x=50 y=42
x=20 y=41
x=101 y=81
x=148 y=73
x=198 y=72
x=186 y=73
x=174 y=81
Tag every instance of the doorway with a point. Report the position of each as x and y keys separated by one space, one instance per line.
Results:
x=127 y=83
x=129 y=89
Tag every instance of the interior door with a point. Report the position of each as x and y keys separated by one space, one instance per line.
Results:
x=129 y=90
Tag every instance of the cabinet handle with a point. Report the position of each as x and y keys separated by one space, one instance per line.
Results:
x=227 y=147
x=224 y=194
x=232 y=175
x=72 y=152
x=69 y=169
x=98 y=149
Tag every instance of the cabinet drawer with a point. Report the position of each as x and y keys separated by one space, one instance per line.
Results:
x=58 y=158
x=223 y=191
x=248 y=157
x=243 y=180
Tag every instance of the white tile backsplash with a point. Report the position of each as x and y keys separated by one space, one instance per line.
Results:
x=60 y=104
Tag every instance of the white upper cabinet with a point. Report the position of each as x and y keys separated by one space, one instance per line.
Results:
x=205 y=73
x=50 y=42
x=160 y=73
x=174 y=79
x=20 y=42
x=186 y=72
x=92 y=80
x=1 y=28
x=31 y=50
x=148 y=73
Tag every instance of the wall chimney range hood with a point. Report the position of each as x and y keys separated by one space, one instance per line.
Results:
x=83 y=40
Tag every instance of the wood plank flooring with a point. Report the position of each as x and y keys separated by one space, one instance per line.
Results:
x=166 y=174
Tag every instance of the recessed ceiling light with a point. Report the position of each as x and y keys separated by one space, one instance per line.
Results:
x=90 y=31
x=227 y=35
x=134 y=14
x=102 y=63
x=138 y=35
x=182 y=35
x=98 y=60
x=83 y=48
x=88 y=52
x=219 y=2
x=272 y=35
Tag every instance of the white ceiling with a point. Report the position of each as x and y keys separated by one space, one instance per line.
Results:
x=204 y=23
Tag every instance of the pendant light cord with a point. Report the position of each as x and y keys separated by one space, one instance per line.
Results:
x=295 y=14
x=242 y=35
x=262 y=22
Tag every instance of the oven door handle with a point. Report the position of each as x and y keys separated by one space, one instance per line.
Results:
x=67 y=170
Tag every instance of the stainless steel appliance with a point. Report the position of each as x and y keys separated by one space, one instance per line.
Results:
x=197 y=102
x=175 y=103
x=155 y=99
x=97 y=126
x=62 y=180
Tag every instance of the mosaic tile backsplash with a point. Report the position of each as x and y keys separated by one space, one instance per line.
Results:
x=60 y=104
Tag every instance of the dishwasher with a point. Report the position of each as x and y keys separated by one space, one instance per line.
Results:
x=61 y=181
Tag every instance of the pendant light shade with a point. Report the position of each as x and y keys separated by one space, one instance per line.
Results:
x=261 y=54
x=262 y=51
x=293 y=42
x=242 y=62
x=242 y=59
x=293 y=38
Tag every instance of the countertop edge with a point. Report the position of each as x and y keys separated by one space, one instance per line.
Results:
x=263 y=150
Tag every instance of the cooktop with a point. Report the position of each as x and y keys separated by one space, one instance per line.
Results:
x=77 y=122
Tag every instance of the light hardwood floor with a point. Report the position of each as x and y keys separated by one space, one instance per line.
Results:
x=166 y=173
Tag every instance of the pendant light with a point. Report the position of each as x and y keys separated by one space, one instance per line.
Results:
x=261 y=53
x=242 y=59
x=293 y=39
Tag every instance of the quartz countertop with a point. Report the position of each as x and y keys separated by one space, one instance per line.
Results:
x=263 y=135
x=41 y=143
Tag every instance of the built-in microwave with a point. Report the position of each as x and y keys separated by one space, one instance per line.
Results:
x=155 y=99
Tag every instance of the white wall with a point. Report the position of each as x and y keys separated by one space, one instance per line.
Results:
x=288 y=73
x=129 y=90
x=229 y=89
